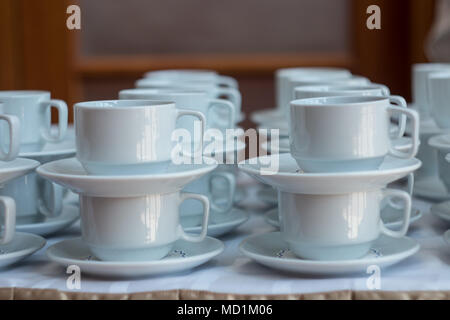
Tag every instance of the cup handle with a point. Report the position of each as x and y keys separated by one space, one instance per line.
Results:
x=201 y=117
x=220 y=103
x=233 y=95
x=14 y=137
x=227 y=81
x=9 y=212
x=410 y=188
x=57 y=194
x=196 y=238
x=62 y=120
x=414 y=132
x=406 y=212
x=231 y=181
x=401 y=102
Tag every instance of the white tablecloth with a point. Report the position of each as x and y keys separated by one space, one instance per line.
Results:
x=231 y=272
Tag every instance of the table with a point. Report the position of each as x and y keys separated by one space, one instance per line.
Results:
x=231 y=275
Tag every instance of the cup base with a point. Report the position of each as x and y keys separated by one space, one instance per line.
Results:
x=125 y=169
x=130 y=254
x=330 y=253
x=321 y=166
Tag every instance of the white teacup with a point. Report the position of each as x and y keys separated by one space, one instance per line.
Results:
x=12 y=142
x=127 y=136
x=441 y=143
x=206 y=186
x=439 y=98
x=138 y=228
x=32 y=108
x=186 y=75
x=420 y=92
x=336 y=227
x=337 y=90
x=8 y=210
x=349 y=133
x=214 y=91
x=189 y=100
x=311 y=80
x=282 y=78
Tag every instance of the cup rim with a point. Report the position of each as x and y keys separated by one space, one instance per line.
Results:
x=440 y=74
x=125 y=104
x=313 y=70
x=136 y=92
x=357 y=88
x=172 y=84
x=431 y=66
x=22 y=93
x=339 y=101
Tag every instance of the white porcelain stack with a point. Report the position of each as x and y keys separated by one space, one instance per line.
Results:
x=334 y=208
x=145 y=168
x=37 y=206
x=437 y=105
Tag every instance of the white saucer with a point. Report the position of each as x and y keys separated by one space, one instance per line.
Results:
x=431 y=188
x=184 y=256
x=268 y=195
x=401 y=144
x=447 y=236
x=221 y=224
x=64 y=148
x=22 y=246
x=68 y=216
x=289 y=178
x=267 y=116
x=71 y=174
x=441 y=210
x=270 y=250
x=16 y=168
x=392 y=217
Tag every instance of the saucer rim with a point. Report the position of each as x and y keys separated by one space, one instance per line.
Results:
x=219 y=248
x=350 y=174
x=329 y=263
x=38 y=245
x=57 y=223
x=45 y=172
x=23 y=164
x=244 y=216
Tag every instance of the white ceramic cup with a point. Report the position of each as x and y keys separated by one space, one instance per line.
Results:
x=189 y=100
x=441 y=143
x=294 y=81
x=348 y=133
x=282 y=78
x=372 y=89
x=186 y=75
x=8 y=211
x=36 y=198
x=336 y=227
x=127 y=136
x=205 y=186
x=137 y=228
x=213 y=90
x=10 y=137
x=32 y=108
x=420 y=92
x=439 y=98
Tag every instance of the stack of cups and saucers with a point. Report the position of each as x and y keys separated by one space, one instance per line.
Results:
x=434 y=82
x=155 y=171
x=335 y=181
x=31 y=206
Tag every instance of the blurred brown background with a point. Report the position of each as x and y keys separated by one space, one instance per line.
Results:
x=247 y=39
